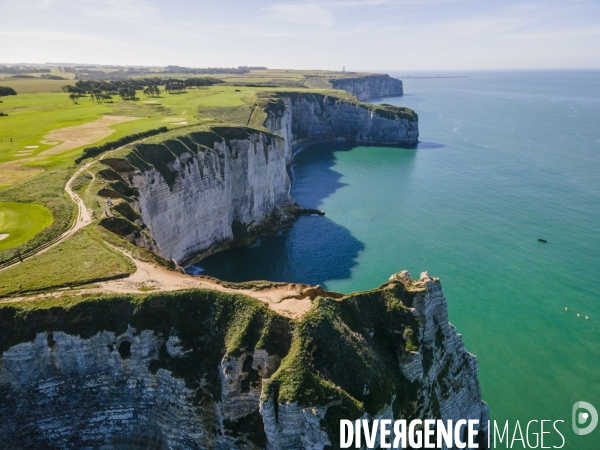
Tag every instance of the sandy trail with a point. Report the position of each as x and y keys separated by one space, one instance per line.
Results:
x=288 y=300
x=84 y=218
x=291 y=300
x=88 y=133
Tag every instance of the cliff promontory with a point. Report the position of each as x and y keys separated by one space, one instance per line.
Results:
x=204 y=369
x=197 y=190
x=307 y=117
x=370 y=87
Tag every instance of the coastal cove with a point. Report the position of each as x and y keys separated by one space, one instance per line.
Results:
x=504 y=158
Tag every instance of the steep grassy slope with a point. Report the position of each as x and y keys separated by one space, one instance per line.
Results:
x=342 y=356
x=81 y=259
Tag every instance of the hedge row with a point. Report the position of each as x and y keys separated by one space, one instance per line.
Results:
x=112 y=145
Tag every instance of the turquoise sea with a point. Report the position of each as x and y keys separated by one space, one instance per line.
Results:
x=505 y=158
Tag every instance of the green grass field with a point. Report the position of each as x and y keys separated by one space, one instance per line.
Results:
x=82 y=259
x=47 y=190
x=34 y=85
x=33 y=173
x=31 y=116
x=22 y=221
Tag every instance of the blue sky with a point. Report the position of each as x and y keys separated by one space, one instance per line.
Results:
x=325 y=34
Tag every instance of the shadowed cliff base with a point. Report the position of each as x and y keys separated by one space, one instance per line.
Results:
x=303 y=252
x=286 y=257
x=316 y=249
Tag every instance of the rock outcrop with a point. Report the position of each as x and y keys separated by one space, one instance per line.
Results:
x=370 y=86
x=199 y=190
x=201 y=369
x=301 y=117
x=202 y=190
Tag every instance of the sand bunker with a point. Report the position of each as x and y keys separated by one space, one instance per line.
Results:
x=179 y=123
x=3 y=236
x=88 y=133
x=32 y=146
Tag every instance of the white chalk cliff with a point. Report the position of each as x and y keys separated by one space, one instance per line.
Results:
x=201 y=191
x=198 y=370
x=370 y=87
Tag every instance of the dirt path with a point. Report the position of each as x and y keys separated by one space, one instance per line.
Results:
x=83 y=218
x=291 y=300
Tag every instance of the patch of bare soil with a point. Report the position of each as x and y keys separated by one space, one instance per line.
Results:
x=88 y=133
x=14 y=172
x=290 y=300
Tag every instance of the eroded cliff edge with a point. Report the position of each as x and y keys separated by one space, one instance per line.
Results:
x=197 y=190
x=202 y=369
x=370 y=87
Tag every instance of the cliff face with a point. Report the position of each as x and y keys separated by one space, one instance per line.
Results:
x=299 y=117
x=370 y=87
x=200 y=369
x=198 y=190
x=202 y=190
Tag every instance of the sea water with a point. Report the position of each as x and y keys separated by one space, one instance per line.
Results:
x=504 y=158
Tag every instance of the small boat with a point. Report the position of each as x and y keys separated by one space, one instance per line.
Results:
x=541 y=240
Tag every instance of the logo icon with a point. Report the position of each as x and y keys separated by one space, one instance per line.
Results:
x=579 y=419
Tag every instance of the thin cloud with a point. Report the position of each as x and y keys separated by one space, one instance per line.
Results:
x=303 y=14
x=121 y=10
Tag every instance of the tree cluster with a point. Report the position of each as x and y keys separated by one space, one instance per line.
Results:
x=20 y=70
x=5 y=90
x=51 y=77
x=103 y=90
x=152 y=91
x=175 y=86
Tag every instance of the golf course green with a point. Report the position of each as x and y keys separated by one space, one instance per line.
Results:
x=21 y=222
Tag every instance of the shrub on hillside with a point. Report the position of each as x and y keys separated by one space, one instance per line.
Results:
x=5 y=90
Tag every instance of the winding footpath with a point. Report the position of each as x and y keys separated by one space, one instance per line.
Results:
x=289 y=299
x=83 y=219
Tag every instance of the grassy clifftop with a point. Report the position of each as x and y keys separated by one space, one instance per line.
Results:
x=342 y=352
x=161 y=150
x=274 y=103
